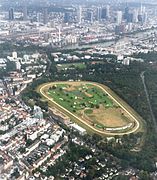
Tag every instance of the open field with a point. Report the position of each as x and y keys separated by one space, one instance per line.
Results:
x=110 y=117
x=94 y=106
x=71 y=65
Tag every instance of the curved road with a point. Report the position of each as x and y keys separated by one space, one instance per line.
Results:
x=148 y=100
x=91 y=127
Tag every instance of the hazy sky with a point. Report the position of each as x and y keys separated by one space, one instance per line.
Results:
x=13 y=2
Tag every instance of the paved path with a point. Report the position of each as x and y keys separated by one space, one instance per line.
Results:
x=148 y=100
x=91 y=127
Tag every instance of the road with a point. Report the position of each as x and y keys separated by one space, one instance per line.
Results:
x=91 y=127
x=148 y=101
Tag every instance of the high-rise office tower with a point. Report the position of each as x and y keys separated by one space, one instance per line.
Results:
x=80 y=14
x=105 y=12
x=39 y=17
x=126 y=13
x=144 y=10
x=98 y=14
x=67 y=17
x=145 y=16
x=25 y=12
x=90 y=16
x=140 y=18
x=119 y=17
x=141 y=15
x=45 y=16
x=135 y=15
x=11 y=14
x=141 y=9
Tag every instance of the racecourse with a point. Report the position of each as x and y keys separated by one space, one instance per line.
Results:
x=137 y=123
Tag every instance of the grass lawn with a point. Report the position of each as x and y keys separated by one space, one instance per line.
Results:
x=71 y=65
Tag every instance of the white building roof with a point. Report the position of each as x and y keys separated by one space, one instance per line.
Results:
x=79 y=128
